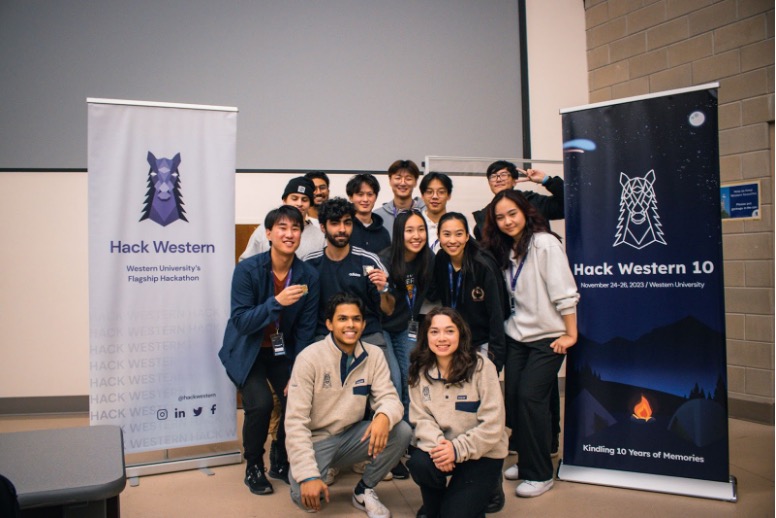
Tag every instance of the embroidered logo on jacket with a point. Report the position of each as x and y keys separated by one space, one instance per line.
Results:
x=463 y=397
x=426 y=393
x=327 y=380
x=360 y=381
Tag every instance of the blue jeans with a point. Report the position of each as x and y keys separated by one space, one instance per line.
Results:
x=400 y=345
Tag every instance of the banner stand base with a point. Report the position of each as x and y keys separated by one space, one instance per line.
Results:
x=170 y=466
x=648 y=482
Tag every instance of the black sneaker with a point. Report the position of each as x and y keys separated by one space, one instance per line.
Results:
x=497 y=499
x=279 y=472
x=400 y=471
x=256 y=480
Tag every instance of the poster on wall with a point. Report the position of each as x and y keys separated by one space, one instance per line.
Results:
x=646 y=392
x=740 y=200
x=161 y=255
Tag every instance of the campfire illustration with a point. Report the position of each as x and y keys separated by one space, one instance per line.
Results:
x=642 y=411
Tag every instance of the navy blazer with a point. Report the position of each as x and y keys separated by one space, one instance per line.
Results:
x=254 y=307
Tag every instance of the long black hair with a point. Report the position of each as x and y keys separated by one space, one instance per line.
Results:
x=464 y=361
x=398 y=265
x=498 y=243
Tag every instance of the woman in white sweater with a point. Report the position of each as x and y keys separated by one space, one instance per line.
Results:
x=540 y=329
x=457 y=409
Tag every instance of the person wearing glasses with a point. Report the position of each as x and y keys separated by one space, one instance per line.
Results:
x=403 y=177
x=503 y=175
x=321 y=192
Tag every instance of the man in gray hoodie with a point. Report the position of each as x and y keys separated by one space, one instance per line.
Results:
x=403 y=177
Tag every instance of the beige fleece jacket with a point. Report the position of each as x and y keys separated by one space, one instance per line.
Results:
x=325 y=398
x=470 y=415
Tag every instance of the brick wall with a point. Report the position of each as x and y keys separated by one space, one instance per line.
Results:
x=636 y=47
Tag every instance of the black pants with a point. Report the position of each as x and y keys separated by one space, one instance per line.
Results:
x=257 y=403
x=555 y=410
x=467 y=493
x=530 y=372
x=554 y=415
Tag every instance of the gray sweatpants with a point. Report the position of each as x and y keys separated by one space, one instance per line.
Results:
x=346 y=449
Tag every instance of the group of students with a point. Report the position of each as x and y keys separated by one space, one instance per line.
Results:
x=394 y=346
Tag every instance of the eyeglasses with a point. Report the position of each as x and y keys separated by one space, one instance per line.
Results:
x=497 y=177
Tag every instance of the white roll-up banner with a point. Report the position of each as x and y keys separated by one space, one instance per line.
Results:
x=161 y=255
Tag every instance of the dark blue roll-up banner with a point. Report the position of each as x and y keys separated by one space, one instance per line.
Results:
x=646 y=386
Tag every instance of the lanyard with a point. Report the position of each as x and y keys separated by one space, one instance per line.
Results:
x=513 y=283
x=514 y=275
x=410 y=288
x=288 y=283
x=454 y=292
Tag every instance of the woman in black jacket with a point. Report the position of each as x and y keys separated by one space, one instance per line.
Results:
x=410 y=263
x=467 y=278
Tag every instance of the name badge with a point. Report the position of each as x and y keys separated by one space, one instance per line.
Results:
x=278 y=346
x=412 y=330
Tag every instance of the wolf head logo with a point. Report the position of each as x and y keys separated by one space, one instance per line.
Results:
x=639 y=223
x=163 y=203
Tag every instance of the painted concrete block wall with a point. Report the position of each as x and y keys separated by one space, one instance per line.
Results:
x=636 y=47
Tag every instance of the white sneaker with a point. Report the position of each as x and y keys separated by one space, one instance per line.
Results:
x=330 y=477
x=370 y=504
x=512 y=473
x=531 y=488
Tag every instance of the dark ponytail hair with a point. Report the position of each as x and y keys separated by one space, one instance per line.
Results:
x=471 y=248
